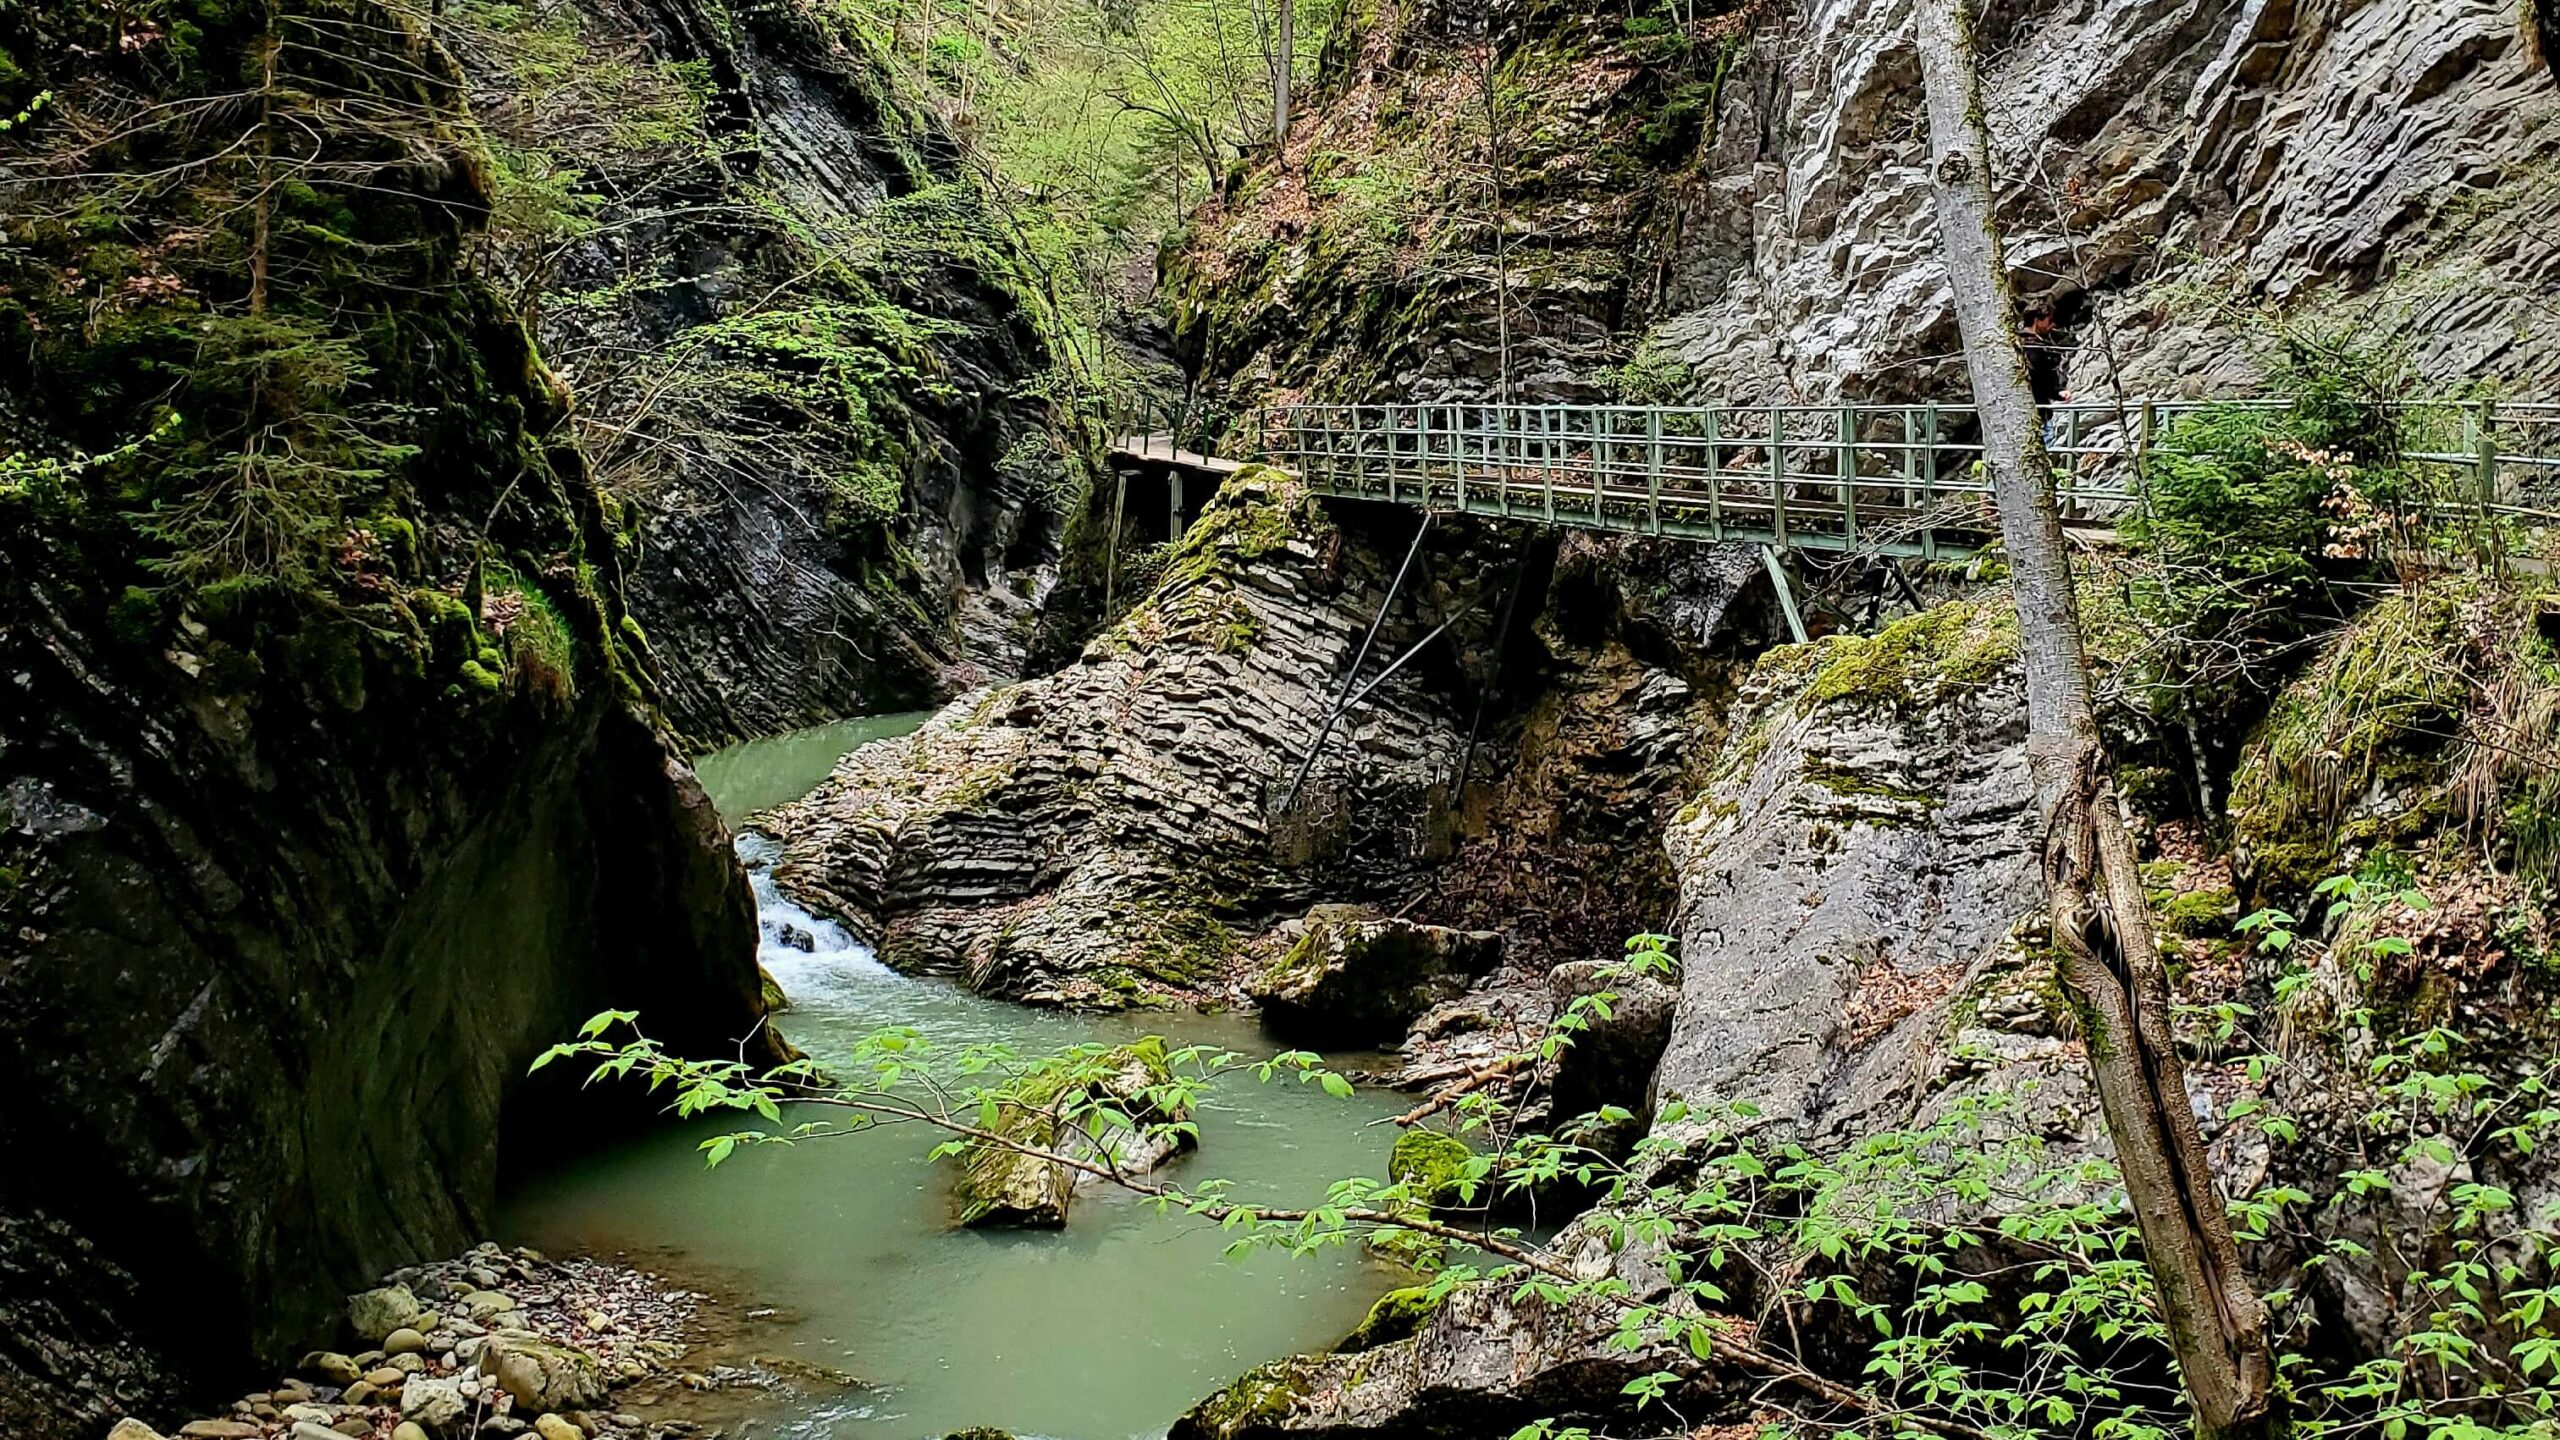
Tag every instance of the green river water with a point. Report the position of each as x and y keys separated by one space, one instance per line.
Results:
x=1106 y=1330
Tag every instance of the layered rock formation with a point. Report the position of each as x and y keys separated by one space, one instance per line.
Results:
x=811 y=348
x=330 y=787
x=1748 y=200
x=1116 y=830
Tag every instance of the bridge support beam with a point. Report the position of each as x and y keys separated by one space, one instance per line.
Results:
x=1786 y=592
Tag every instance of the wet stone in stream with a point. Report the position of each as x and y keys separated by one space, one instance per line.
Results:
x=496 y=1343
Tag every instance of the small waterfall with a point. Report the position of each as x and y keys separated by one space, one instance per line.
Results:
x=810 y=957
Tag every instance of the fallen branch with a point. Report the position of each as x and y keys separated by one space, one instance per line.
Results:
x=1465 y=1082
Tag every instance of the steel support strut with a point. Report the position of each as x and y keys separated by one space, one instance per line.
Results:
x=1342 y=698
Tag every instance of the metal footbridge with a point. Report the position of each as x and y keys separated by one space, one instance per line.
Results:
x=1900 y=481
x=1894 y=480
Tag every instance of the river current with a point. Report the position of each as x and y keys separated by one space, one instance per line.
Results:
x=1106 y=1330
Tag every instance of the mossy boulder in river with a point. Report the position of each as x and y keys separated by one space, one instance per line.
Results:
x=1352 y=979
x=1118 y=1108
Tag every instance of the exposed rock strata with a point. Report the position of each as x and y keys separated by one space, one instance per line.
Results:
x=1862 y=953
x=1115 y=829
x=769 y=607
x=1752 y=201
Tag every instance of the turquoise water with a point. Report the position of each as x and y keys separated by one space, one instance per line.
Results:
x=1108 y=1329
x=761 y=774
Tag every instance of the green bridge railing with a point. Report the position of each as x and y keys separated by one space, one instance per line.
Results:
x=1897 y=480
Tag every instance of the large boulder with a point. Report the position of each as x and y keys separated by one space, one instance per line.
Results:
x=1867 y=837
x=1489 y=1359
x=1623 y=1025
x=434 y=1405
x=1350 y=979
x=376 y=1313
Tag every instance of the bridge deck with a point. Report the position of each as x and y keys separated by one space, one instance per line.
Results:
x=1892 y=480
x=1132 y=451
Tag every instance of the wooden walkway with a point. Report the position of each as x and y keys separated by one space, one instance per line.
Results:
x=1132 y=452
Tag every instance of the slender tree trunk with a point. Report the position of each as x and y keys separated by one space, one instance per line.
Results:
x=1283 y=72
x=1490 y=77
x=2101 y=919
x=262 y=204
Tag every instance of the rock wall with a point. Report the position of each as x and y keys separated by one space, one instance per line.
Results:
x=1741 y=212
x=1115 y=830
x=272 y=965
x=771 y=605
x=308 y=843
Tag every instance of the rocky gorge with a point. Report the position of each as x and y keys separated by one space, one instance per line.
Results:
x=380 y=529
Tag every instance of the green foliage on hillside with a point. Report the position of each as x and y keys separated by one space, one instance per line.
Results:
x=251 y=393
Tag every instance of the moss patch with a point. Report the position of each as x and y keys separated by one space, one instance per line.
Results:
x=1430 y=1164
x=1961 y=646
x=1397 y=1315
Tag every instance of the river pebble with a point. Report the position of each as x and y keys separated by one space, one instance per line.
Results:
x=413 y=1374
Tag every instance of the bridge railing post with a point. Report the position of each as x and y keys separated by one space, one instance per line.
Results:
x=2485 y=426
x=1845 y=430
x=1653 y=469
x=1710 y=437
x=1778 y=472
x=1453 y=418
x=1550 y=421
x=1929 y=490
x=1602 y=424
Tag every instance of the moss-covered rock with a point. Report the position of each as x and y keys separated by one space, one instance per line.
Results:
x=2352 y=756
x=1251 y=1406
x=1430 y=1164
x=1397 y=1315
x=1105 y=1106
x=1959 y=646
x=1349 y=979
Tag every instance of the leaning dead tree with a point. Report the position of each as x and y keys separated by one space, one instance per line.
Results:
x=2101 y=920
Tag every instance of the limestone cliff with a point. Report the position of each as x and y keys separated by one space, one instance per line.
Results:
x=1738 y=210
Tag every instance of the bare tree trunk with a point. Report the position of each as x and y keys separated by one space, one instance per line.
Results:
x=262 y=205
x=1283 y=72
x=2101 y=920
x=1489 y=76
